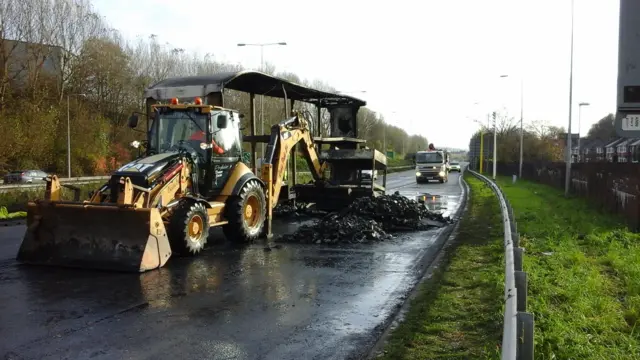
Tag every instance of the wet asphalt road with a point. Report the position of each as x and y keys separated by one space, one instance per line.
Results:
x=295 y=302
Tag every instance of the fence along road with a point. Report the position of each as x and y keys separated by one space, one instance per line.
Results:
x=76 y=181
x=517 y=334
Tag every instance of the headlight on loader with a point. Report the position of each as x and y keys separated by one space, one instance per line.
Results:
x=441 y=173
x=418 y=173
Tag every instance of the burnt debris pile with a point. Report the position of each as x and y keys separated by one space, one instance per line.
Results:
x=368 y=219
x=296 y=209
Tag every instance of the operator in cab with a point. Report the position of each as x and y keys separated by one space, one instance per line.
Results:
x=199 y=135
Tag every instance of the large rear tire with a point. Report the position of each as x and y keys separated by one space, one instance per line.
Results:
x=188 y=228
x=246 y=213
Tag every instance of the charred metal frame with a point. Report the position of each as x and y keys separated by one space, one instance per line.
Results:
x=346 y=154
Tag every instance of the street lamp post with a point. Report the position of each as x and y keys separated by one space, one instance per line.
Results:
x=579 y=120
x=521 y=123
x=481 y=148
x=567 y=180
x=521 y=126
x=69 y=133
x=262 y=45
x=482 y=127
x=495 y=144
x=488 y=127
x=495 y=138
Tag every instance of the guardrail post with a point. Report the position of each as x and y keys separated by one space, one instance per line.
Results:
x=514 y=228
x=521 y=288
x=525 y=336
x=517 y=257
x=515 y=238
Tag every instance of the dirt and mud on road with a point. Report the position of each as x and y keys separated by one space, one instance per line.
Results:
x=367 y=219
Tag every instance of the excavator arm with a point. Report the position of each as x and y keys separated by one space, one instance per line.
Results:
x=284 y=136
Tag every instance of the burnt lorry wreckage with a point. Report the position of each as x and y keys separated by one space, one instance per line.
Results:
x=344 y=153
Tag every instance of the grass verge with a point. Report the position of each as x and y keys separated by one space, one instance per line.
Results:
x=457 y=313
x=584 y=275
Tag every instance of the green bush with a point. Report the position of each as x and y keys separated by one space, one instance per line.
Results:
x=399 y=162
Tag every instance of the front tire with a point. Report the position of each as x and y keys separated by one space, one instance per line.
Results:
x=188 y=228
x=246 y=213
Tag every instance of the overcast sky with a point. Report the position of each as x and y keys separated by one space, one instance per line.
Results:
x=423 y=64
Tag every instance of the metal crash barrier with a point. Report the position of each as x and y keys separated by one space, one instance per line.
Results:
x=517 y=335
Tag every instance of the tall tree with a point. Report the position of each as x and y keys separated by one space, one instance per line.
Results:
x=58 y=49
x=604 y=129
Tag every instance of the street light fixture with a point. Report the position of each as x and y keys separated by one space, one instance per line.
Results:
x=69 y=133
x=567 y=179
x=579 y=120
x=262 y=45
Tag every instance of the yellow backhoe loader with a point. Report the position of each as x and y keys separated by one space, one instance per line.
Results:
x=191 y=177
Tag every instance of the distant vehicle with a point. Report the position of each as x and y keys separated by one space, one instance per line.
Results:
x=25 y=177
x=432 y=165
x=454 y=166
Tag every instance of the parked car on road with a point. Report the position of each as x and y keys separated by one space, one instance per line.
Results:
x=25 y=177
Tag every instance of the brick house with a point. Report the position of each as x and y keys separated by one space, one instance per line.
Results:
x=611 y=149
x=634 y=150
x=593 y=150
x=623 y=150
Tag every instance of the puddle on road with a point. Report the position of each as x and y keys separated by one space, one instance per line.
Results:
x=436 y=203
x=441 y=204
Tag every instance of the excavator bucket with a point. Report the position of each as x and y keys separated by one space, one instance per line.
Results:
x=94 y=236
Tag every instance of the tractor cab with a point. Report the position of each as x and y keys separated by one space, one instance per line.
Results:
x=210 y=135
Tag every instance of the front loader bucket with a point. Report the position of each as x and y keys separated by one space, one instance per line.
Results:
x=106 y=237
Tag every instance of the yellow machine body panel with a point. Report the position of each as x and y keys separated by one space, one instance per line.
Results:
x=238 y=175
x=108 y=237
